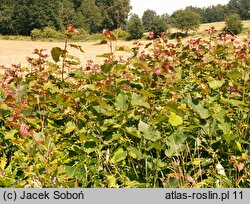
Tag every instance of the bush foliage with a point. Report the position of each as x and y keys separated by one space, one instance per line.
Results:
x=135 y=27
x=234 y=24
x=172 y=115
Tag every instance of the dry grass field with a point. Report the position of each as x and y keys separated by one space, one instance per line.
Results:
x=15 y=52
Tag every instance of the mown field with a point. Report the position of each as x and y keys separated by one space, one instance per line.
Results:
x=16 y=51
x=168 y=114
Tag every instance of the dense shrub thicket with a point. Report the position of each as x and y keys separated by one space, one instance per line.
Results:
x=172 y=115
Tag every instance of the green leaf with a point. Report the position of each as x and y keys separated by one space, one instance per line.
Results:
x=56 y=53
x=106 y=68
x=175 y=120
x=78 y=47
x=112 y=182
x=149 y=133
x=119 y=155
x=147 y=94
x=10 y=135
x=105 y=55
x=134 y=153
x=79 y=74
x=133 y=131
x=137 y=100
x=3 y=106
x=235 y=74
x=120 y=67
x=23 y=90
x=121 y=103
x=51 y=87
x=203 y=113
x=70 y=170
x=109 y=139
x=216 y=84
x=90 y=144
x=155 y=145
x=3 y=162
x=225 y=127
x=176 y=143
x=70 y=127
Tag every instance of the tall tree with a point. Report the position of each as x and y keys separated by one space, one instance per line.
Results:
x=44 y=13
x=241 y=7
x=186 y=20
x=148 y=19
x=92 y=17
x=215 y=13
x=135 y=27
x=114 y=12
x=67 y=12
x=6 y=13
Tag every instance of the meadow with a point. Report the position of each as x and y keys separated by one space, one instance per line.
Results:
x=15 y=49
x=169 y=113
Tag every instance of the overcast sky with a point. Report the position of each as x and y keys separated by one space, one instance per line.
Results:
x=168 y=6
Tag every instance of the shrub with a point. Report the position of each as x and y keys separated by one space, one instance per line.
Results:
x=36 y=34
x=233 y=25
x=82 y=36
x=50 y=32
x=173 y=115
x=121 y=34
x=46 y=33
x=135 y=27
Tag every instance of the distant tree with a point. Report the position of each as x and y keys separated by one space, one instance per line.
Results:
x=91 y=15
x=45 y=13
x=155 y=23
x=186 y=20
x=198 y=10
x=241 y=7
x=135 y=27
x=6 y=13
x=216 y=13
x=148 y=19
x=114 y=12
x=233 y=25
x=160 y=24
x=67 y=12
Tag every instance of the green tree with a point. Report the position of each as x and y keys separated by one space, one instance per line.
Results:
x=160 y=24
x=153 y=22
x=148 y=19
x=135 y=27
x=241 y=7
x=233 y=25
x=43 y=13
x=92 y=18
x=114 y=12
x=186 y=20
x=67 y=12
x=215 y=13
x=6 y=13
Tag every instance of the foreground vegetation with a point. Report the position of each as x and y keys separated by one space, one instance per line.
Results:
x=172 y=115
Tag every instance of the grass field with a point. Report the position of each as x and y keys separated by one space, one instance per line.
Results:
x=15 y=52
x=16 y=49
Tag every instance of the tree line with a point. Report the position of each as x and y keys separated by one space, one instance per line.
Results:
x=20 y=17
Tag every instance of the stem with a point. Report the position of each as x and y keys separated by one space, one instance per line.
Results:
x=64 y=57
x=244 y=84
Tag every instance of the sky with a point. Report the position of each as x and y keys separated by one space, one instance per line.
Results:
x=169 y=6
